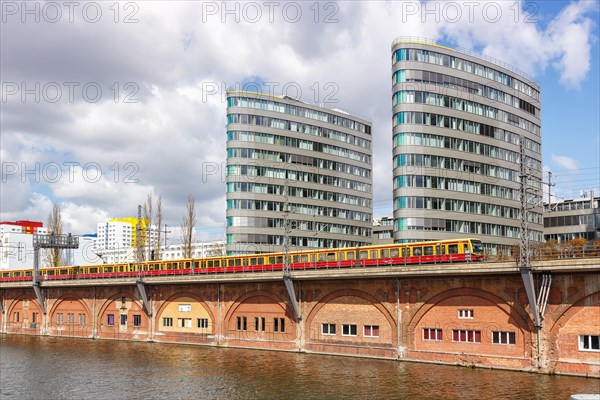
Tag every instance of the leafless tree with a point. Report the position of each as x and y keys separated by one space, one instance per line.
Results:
x=54 y=257
x=158 y=222
x=187 y=228
x=217 y=249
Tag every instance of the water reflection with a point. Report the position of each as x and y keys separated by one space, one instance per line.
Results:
x=60 y=368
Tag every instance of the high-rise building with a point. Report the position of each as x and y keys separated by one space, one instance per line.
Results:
x=459 y=120
x=566 y=220
x=325 y=157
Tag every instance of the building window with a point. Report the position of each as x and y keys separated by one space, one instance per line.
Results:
x=202 y=322
x=278 y=325
x=371 y=331
x=185 y=308
x=16 y=316
x=81 y=318
x=589 y=342
x=348 y=330
x=503 y=337
x=110 y=319
x=432 y=334
x=59 y=319
x=328 y=329
x=167 y=321
x=70 y=318
x=137 y=320
x=465 y=313
x=123 y=319
x=241 y=323
x=465 y=336
x=184 y=322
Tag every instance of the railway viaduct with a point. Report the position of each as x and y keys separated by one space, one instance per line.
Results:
x=472 y=314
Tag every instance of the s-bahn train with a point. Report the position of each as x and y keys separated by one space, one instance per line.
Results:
x=442 y=251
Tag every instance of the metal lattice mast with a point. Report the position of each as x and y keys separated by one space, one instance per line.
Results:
x=524 y=258
x=287 y=229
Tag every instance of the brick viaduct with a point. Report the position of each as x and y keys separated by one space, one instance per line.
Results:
x=465 y=314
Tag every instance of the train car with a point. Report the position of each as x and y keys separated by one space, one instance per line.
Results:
x=442 y=251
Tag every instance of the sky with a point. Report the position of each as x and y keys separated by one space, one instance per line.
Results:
x=104 y=103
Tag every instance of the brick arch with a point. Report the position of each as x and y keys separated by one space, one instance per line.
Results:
x=354 y=293
x=16 y=300
x=109 y=300
x=240 y=300
x=564 y=315
x=65 y=297
x=520 y=316
x=178 y=295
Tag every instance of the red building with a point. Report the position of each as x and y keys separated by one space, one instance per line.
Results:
x=29 y=227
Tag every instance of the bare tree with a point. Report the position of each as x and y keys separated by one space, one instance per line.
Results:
x=145 y=231
x=217 y=250
x=158 y=220
x=187 y=228
x=54 y=257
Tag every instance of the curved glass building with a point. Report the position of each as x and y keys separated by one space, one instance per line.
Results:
x=324 y=155
x=459 y=120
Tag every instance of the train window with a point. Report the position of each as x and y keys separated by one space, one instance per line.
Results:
x=217 y=263
x=428 y=250
x=93 y=270
x=385 y=253
x=196 y=264
x=296 y=259
x=238 y=262
x=210 y=264
x=188 y=264
x=17 y=274
x=253 y=261
x=453 y=249
x=304 y=257
x=405 y=252
x=108 y=269
x=261 y=261
x=440 y=250
x=417 y=251
x=5 y=275
x=231 y=262
x=330 y=256
x=466 y=248
x=244 y=261
x=313 y=257
x=279 y=259
x=374 y=254
x=363 y=255
x=340 y=256
x=271 y=260
x=350 y=255
x=64 y=271
x=322 y=257
x=394 y=253
x=28 y=273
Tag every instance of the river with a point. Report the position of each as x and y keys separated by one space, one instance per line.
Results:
x=33 y=367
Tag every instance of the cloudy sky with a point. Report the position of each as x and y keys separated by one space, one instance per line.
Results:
x=103 y=103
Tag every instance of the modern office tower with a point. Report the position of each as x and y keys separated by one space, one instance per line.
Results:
x=566 y=220
x=459 y=120
x=322 y=155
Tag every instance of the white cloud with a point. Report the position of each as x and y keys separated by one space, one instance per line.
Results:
x=565 y=162
x=173 y=138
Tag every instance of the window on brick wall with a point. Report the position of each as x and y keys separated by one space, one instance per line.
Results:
x=589 y=342
x=371 y=331
x=499 y=337
x=202 y=322
x=328 y=329
x=137 y=320
x=466 y=336
x=348 y=330
x=167 y=321
x=432 y=334
x=242 y=323
x=465 y=313
x=278 y=325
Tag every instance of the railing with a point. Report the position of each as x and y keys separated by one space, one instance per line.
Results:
x=468 y=52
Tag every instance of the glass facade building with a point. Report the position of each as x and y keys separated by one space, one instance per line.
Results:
x=458 y=123
x=324 y=156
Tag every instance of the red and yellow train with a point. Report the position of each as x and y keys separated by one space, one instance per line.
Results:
x=443 y=251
